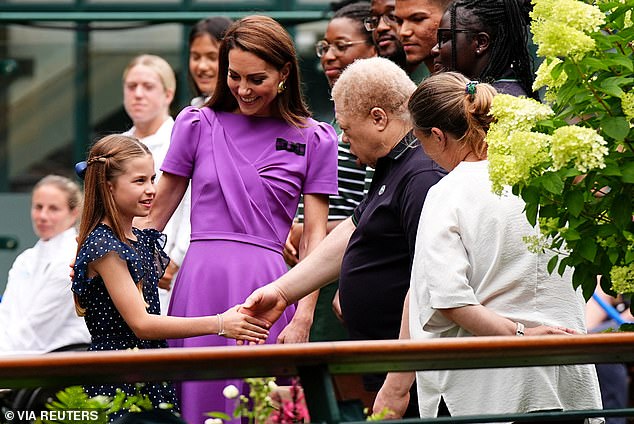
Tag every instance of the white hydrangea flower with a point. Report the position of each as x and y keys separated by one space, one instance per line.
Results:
x=623 y=278
x=583 y=146
x=544 y=78
x=561 y=27
x=514 y=151
x=627 y=104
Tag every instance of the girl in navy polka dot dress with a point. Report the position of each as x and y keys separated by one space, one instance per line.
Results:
x=118 y=267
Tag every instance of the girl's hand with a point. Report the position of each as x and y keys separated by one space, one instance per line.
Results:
x=240 y=326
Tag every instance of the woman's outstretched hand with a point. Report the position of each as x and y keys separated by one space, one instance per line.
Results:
x=243 y=327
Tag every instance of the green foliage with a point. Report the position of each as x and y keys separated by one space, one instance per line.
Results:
x=583 y=186
x=74 y=398
x=257 y=407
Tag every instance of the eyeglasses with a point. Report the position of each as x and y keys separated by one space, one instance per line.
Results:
x=340 y=47
x=372 y=22
x=444 y=34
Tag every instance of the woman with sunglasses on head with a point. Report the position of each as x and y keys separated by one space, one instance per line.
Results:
x=249 y=152
x=487 y=40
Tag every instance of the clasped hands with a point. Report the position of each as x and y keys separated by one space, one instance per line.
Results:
x=266 y=303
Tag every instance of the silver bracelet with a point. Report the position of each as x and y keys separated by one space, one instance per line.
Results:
x=519 y=329
x=221 y=327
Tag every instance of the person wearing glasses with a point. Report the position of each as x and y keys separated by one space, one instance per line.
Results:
x=417 y=22
x=382 y=24
x=487 y=40
x=345 y=40
x=384 y=27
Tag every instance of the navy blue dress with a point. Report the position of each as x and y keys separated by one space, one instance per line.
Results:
x=146 y=261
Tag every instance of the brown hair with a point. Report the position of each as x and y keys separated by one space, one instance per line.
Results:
x=268 y=40
x=106 y=161
x=215 y=27
x=441 y=101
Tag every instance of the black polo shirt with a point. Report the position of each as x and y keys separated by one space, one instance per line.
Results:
x=376 y=266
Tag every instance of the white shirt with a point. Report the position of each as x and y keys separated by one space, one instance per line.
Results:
x=469 y=251
x=178 y=228
x=37 y=312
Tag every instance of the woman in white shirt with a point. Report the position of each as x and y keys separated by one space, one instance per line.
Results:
x=473 y=274
x=37 y=312
x=149 y=85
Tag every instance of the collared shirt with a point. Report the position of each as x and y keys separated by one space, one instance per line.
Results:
x=37 y=313
x=375 y=271
x=470 y=251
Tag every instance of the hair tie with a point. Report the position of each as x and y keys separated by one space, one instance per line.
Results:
x=471 y=88
x=80 y=169
x=101 y=159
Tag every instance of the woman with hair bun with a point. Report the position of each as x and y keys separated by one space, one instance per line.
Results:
x=473 y=275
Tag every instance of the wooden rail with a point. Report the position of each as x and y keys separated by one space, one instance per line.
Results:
x=313 y=362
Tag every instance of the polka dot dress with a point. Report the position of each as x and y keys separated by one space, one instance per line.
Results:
x=146 y=261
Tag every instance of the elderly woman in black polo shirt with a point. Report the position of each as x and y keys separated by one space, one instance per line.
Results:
x=371 y=252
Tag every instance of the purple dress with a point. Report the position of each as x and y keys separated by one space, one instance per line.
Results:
x=247 y=174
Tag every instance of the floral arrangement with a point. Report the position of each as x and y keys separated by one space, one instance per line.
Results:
x=572 y=159
x=259 y=407
x=267 y=403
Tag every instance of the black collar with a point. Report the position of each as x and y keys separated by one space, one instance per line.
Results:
x=407 y=142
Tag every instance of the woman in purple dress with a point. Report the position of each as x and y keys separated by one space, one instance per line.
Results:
x=249 y=152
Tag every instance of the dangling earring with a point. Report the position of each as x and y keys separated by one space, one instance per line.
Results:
x=281 y=87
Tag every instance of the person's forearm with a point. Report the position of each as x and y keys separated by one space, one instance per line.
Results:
x=333 y=224
x=480 y=321
x=320 y=267
x=152 y=327
x=170 y=191
x=399 y=383
x=404 y=330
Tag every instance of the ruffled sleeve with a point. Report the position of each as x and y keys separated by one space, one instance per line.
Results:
x=155 y=242
x=99 y=243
